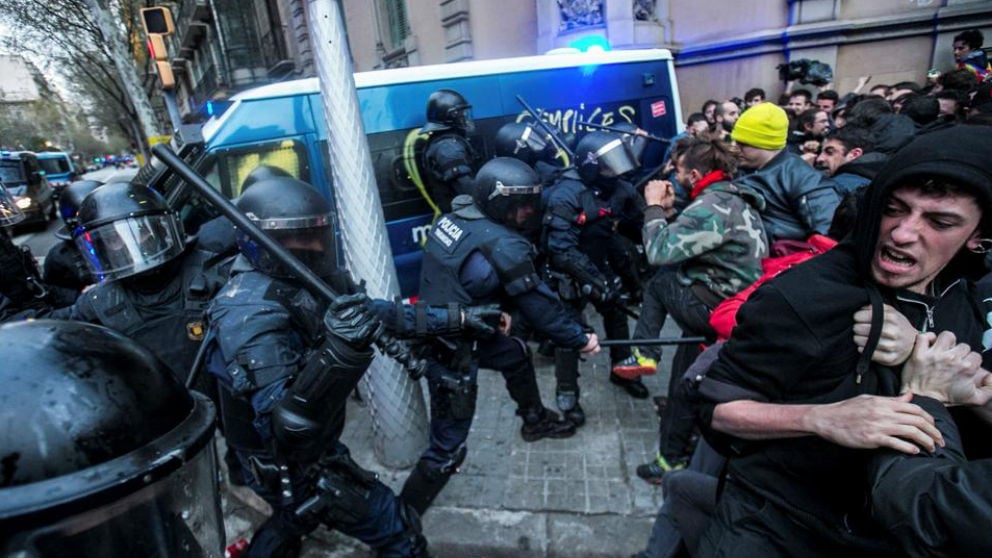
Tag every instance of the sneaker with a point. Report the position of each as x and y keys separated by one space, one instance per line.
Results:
x=545 y=423
x=635 y=366
x=654 y=471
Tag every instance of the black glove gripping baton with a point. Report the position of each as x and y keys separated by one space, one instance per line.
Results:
x=385 y=342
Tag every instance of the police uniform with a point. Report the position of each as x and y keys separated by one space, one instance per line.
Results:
x=449 y=160
x=162 y=311
x=578 y=233
x=263 y=332
x=471 y=258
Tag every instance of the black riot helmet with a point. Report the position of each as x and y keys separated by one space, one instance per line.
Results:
x=295 y=215
x=125 y=229
x=508 y=191
x=69 y=201
x=118 y=459
x=10 y=214
x=261 y=172
x=520 y=141
x=603 y=154
x=636 y=143
x=446 y=110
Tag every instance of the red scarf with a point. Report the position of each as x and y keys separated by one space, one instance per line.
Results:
x=706 y=180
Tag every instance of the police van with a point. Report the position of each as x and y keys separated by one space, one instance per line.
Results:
x=283 y=124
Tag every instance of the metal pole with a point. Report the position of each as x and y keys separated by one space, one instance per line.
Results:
x=619 y=131
x=646 y=342
x=399 y=416
x=169 y=96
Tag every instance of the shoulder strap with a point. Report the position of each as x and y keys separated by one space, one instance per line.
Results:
x=874 y=334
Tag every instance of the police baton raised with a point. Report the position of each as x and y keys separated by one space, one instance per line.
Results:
x=646 y=342
x=547 y=128
x=395 y=349
x=621 y=131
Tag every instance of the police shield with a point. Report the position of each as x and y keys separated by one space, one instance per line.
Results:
x=113 y=457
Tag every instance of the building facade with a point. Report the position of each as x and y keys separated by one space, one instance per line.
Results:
x=721 y=48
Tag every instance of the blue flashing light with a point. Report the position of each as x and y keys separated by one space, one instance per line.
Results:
x=215 y=107
x=591 y=43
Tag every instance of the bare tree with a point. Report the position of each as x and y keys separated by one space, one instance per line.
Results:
x=97 y=46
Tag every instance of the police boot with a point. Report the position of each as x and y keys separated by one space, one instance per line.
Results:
x=567 y=392
x=422 y=486
x=568 y=404
x=541 y=422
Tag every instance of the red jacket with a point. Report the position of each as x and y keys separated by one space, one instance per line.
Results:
x=724 y=316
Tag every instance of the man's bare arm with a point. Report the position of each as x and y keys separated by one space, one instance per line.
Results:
x=866 y=421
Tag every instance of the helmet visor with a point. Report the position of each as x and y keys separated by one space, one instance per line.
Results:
x=10 y=214
x=314 y=247
x=520 y=203
x=530 y=139
x=463 y=119
x=636 y=144
x=615 y=158
x=130 y=246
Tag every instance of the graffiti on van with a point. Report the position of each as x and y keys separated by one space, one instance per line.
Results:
x=567 y=120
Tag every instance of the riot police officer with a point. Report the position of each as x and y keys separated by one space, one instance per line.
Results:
x=64 y=265
x=286 y=362
x=23 y=293
x=154 y=283
x=476 y=254
x=449 y=161
x=579 y=229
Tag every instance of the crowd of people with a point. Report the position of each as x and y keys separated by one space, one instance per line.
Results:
x=828 y=249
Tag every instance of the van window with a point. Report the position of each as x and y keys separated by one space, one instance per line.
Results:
x=56 y=165
x=10 y=172
x=234 y=165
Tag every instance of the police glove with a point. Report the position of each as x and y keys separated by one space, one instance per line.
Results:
x=604 y=291
x=350 y=320
x=481 y=320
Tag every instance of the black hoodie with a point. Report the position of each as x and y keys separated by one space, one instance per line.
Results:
x=794 y=344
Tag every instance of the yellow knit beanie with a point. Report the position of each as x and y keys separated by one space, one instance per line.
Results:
x=764 y=126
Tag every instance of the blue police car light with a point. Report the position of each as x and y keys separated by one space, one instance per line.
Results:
x=215 y=107
x=591 y=43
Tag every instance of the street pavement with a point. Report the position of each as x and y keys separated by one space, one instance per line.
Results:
x=573 y=498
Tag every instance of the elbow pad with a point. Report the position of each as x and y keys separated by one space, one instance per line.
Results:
x=318 y=393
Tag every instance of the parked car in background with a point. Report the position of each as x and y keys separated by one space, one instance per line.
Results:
x=59 y=169
x=21 y=173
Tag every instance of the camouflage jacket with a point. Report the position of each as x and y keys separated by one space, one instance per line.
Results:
x=718 y=240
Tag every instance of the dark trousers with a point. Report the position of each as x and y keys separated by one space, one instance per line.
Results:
x=381 y=526
x=747 y=524
x=690 y=501
x=665 y=295
x=614 y=323
x=449 y=430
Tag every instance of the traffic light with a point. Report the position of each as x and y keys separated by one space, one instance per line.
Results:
x=157 y=22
